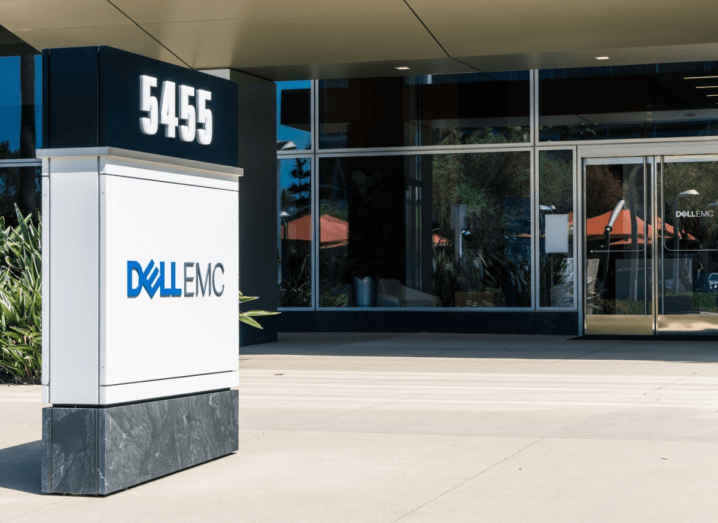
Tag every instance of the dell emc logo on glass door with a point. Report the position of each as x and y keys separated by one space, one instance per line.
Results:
x=694 y=214
x=197 y=121
x=153 y=279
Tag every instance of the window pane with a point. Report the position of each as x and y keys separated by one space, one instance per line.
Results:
x=640 y=101
x=424 y=110
x=448 y=230
x=294 y=102
x=20 y=106
x=557 y=270
x=295 y=233
x=21 y=186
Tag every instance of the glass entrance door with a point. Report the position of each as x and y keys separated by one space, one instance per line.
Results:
x=688 y=265
x=646 y=216
x=618 y=240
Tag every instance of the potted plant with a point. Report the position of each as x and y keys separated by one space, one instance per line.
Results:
x=369 y=229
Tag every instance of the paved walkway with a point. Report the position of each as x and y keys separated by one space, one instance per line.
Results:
x=429 y=428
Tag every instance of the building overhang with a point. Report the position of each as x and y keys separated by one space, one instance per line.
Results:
x=286 y=39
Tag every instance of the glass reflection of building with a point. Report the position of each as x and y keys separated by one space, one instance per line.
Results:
x=20 y=135
x=456 y=191
x=429 y=228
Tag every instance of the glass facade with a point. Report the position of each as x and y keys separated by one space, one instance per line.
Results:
x=435 y=230
x=627 y=102
x=20 y=106
x=294 y=117
x=445 y=191
x=433 y=110
x=295 y=232
x=21 y=186
x=20 y=136
x=557 y=275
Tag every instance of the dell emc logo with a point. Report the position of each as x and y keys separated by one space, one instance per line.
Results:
x=153 y=279
x=694 y=214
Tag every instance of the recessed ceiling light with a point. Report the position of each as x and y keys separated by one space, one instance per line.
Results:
x=709 y=95
x=706 y=86
x=602 y=58
x=698 y=77
x=401 y=68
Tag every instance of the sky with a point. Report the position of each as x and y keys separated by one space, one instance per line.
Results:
x=285 y=177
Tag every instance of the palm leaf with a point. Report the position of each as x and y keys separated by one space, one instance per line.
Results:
x=249 y=321
x=260 y=313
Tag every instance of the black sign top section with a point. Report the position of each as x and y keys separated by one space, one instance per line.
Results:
x=94 y=96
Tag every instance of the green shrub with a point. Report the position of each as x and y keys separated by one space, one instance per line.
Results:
x=627 y=307
x=688 y=301
x=704 y=301
x=20 y=299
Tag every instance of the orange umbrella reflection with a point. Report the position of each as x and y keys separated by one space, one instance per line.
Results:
x=596 y=228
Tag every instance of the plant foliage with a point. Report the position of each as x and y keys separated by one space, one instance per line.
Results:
x=20 y=299
x=248 y=317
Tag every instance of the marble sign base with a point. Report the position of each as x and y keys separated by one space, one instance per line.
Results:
x=97 y=451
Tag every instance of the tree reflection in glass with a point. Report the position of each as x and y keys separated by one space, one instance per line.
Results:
x=556 y=269
x=618 y=232
x=295 y=238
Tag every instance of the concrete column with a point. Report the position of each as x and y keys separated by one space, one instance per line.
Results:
x=258 y=253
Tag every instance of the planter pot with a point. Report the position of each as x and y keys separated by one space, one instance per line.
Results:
x=364 y=292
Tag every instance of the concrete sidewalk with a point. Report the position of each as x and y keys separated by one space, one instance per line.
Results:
x=429 y=428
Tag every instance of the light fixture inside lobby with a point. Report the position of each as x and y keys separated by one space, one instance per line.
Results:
x=401 y=68
x=602 y=58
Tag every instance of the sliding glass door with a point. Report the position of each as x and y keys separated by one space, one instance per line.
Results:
x=645 y=216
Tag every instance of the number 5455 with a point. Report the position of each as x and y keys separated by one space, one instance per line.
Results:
x=198 y=121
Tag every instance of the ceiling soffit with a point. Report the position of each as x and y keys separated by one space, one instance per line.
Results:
x=493 y=27
x=285 y=39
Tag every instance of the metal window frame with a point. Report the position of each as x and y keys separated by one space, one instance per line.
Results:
x=624 y=141
x=582 y=149
x=423 y=151
x=533 y=107
x=373 y=151
x=316 y=232
x=313 y=192
x=536 y=228
x=312 y=134
x=23 y=162
x=312 y=162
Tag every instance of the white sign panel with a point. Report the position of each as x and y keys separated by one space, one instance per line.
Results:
x=556 y=233
x=143 y=272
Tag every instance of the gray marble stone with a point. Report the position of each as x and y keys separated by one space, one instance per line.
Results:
x=70 y=450
x=147 y=440
x=46 y=472
x=103 y=450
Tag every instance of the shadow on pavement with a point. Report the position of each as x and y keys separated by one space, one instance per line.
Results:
x=505 y=346
x=20 y=467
